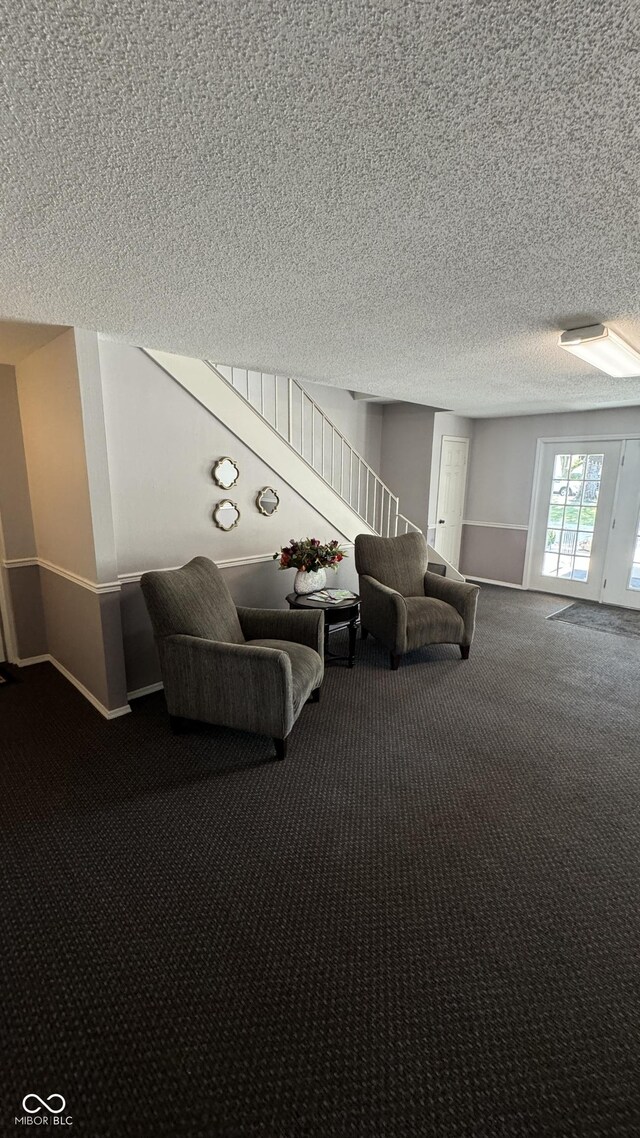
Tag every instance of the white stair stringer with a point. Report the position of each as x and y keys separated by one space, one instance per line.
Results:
x=215 y=394
x=377 y=509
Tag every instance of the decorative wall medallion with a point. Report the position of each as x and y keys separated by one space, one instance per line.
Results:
x=267 y=501
x=225 y=473
x=226 y=515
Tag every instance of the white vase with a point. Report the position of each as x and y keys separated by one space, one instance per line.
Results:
x=308 y=581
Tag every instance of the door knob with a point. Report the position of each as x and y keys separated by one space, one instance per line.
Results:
x=440 y=521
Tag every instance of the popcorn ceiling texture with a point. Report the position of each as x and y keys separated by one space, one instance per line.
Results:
x=403 y=198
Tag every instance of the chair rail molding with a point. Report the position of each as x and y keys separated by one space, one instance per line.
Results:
x=92 y=586
x=495 y=525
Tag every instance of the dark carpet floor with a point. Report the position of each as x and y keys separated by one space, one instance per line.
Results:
x=601 y=618
x=424 y=923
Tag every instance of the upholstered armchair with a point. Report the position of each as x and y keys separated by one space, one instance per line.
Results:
x=252 y=669
x=404 y=605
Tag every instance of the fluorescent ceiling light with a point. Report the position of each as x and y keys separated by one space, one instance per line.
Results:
x=599 y=346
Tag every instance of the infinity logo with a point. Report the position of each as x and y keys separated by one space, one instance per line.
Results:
x=43 y=1103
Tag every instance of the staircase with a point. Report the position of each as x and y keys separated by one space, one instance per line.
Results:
x=278 y=419
x=296 y=417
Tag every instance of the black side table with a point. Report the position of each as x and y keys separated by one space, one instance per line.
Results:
x=344 y=613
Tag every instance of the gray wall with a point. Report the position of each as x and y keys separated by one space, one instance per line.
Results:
x=25 y=593
x=500 y=483
x=407 y=446
x=360 y=422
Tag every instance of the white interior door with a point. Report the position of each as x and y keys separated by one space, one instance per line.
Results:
x=576 y=489
x=622 y=568
x=452 y=484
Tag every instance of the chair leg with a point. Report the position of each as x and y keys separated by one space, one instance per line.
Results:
x=364 y=632
x=394 y=660
x=178 y=724
x=315 y=696
x=281 y=748
x=464 y=651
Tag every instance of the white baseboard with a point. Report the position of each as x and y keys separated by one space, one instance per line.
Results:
x=145 y=691
x=115 y=713
x=489 y=581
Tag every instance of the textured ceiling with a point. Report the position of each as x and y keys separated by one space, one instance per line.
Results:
x=405 y=198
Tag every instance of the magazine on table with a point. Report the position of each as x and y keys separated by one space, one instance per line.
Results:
x=332 y=596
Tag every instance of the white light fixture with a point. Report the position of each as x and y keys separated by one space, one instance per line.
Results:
x=599 y=346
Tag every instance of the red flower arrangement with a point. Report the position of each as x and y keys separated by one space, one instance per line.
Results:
x=310 y=555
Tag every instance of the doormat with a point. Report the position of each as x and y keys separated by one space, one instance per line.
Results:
x=6 y=675
x=600 y=618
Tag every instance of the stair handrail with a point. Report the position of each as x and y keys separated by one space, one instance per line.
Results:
x=380 y=489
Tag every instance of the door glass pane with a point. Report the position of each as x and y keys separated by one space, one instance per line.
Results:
x=634 y=577
x=573 y=503
x=576 y=466
x=561 y=466
x=594 y=466
x=559 y=491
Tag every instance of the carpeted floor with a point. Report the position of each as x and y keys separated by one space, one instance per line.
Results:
x=424 y=923
x=600 y=618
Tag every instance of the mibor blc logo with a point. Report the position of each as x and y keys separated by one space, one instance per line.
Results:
x=44 y=1111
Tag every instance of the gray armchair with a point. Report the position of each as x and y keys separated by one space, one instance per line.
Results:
x=403 y=604
x=252 y=669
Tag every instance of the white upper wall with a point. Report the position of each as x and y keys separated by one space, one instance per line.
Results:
x=162 y=445
x=53 y=432
x=503 y=454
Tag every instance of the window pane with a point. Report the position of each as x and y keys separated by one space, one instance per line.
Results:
x=558 y=491
x=581 y=569
x=576 y=468
x=550 y=565
x=594 y=466
x=568 y=542
x=561 y=466
x=584 y=542
x=551 y=545
x=587 y=517
x=571 y=516
x=565 y=567
x=591 y=492
x=556 y=514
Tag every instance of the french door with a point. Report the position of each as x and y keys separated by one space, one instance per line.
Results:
x=621 y=584
x=576 y=491
x=585 y=537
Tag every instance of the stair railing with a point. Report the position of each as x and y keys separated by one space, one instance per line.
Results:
x=290 y=411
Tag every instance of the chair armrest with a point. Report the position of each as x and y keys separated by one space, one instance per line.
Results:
x=234 y=685
x=384 y=613
x=298 y=625
x=458 y=594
